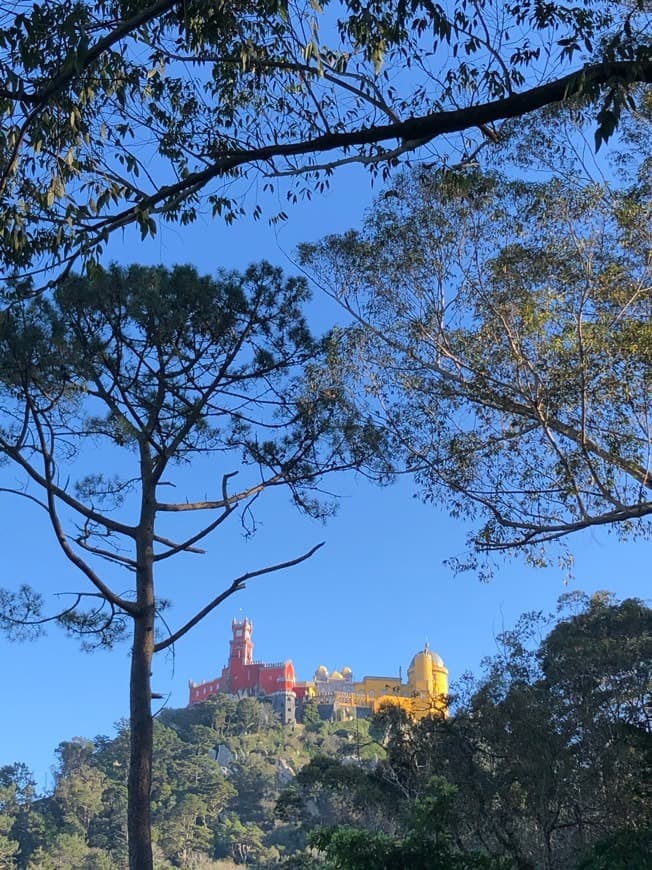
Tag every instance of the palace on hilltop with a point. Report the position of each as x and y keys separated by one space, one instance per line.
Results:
x=337 y=694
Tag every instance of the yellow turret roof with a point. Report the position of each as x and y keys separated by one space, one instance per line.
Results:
x=427 y=653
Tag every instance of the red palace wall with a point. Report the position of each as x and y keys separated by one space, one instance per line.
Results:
x=244 y=676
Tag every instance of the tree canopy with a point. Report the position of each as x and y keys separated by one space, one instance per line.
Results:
x=156 y=368
x=503 y=338
x=119 y=112
x=544 y=762
x=159 y=366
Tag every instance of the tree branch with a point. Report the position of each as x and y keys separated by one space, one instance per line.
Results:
x=540 y=534
x=55 y=616
x=224 y=502
x=186 y=546
x=127 y=606
x=62 y=495
x=236 y=586
x=417 y=130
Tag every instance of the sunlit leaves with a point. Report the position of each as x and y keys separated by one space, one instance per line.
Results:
x=119 y=114
x=504 y=338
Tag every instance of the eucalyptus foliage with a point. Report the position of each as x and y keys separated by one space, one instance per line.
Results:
x=119 y=112
x=503 y=337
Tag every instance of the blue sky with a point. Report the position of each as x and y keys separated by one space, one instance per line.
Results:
x=369 y=599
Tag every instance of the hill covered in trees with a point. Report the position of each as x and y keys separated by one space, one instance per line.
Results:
x=544 y=762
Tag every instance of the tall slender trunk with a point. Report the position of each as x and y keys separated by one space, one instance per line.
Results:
x=139 y=824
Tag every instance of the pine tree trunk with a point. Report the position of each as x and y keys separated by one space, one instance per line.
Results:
x=139 y=814
x=142 y=735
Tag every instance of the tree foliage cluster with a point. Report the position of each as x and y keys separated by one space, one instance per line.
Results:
x=502 y=336
x=209 y=809
x=129 y=112
x=545 y=762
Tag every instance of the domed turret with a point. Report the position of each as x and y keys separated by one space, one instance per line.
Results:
x=420 y=672
x=336 y=675
x=427 y=673
x=429 y=656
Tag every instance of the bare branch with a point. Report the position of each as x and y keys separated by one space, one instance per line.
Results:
x=109 y=555
x=222 y=503
x=236 y=586
x=186 y=546
x=361 y=159
x=127 y=606
x=23 y=494
x=62 y=495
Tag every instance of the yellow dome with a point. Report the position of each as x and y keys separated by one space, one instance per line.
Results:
x=346 y=671
x=429 y=655
x=336 y=675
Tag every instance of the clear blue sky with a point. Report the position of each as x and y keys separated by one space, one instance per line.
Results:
x=370 y=599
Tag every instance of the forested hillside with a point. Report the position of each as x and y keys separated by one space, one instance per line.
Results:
x=544 y=762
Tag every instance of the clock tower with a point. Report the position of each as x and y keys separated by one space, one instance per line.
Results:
x=242 y=647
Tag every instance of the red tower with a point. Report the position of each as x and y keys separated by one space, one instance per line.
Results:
x=241 y=645
x=242 y=675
